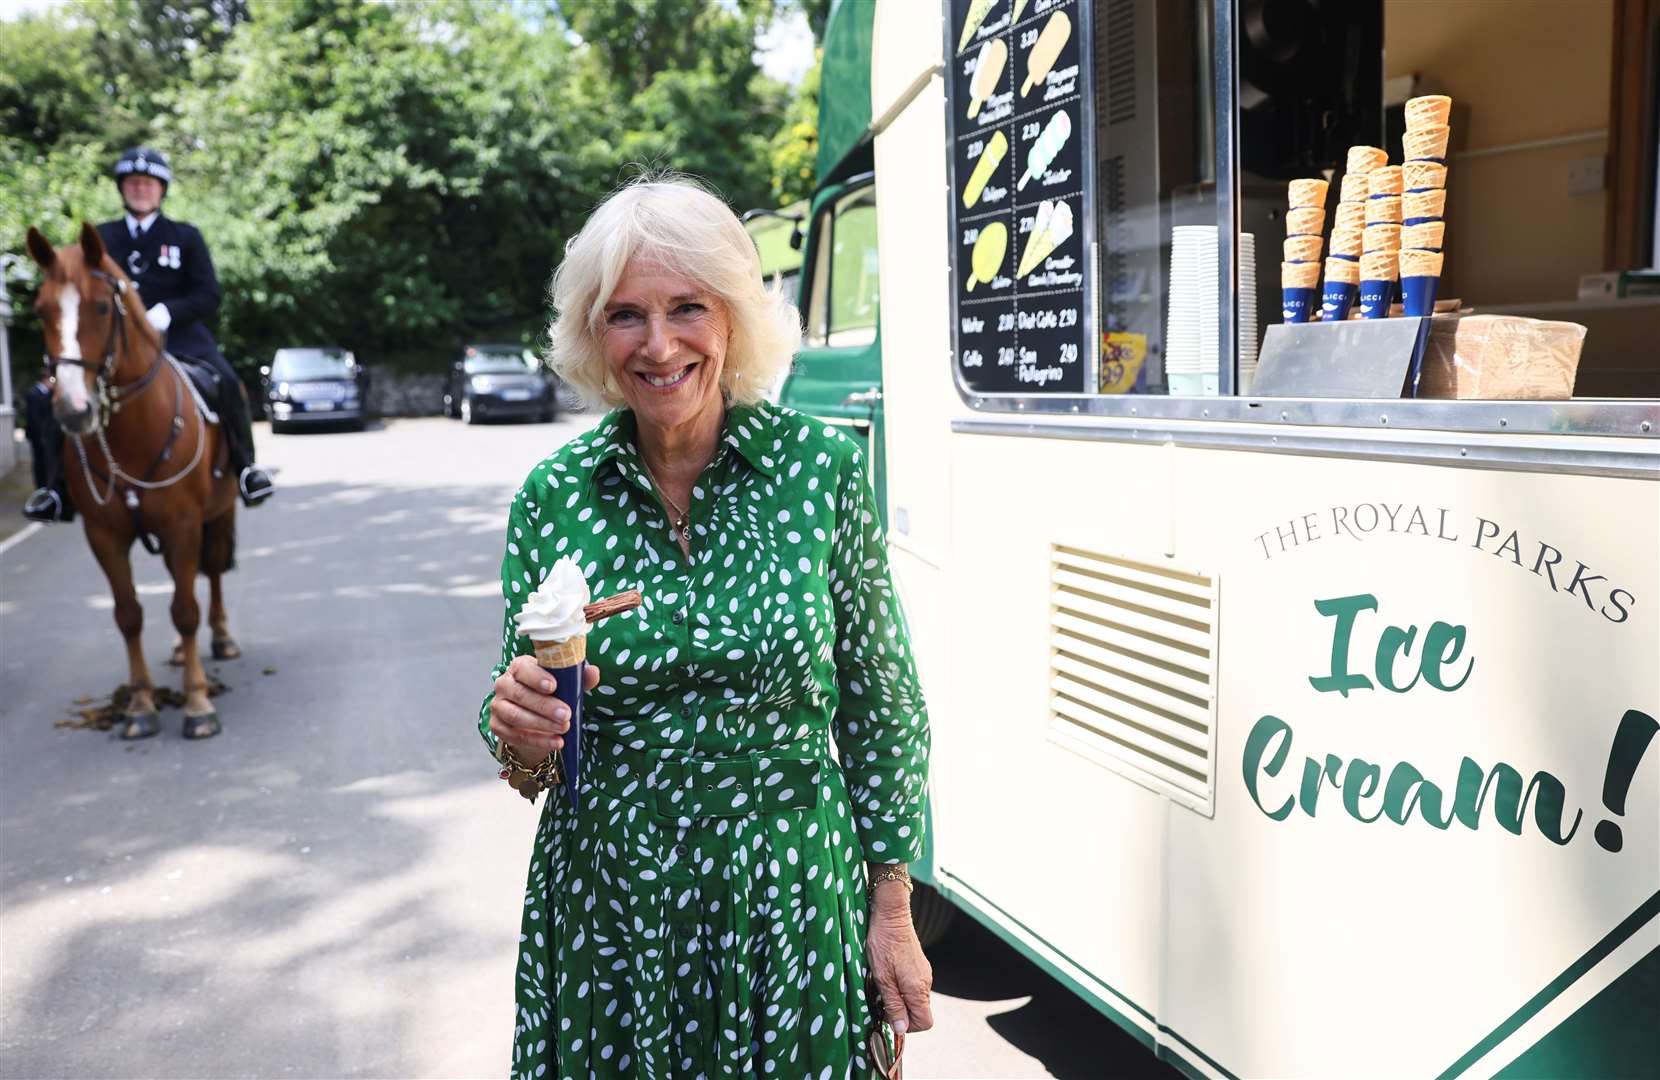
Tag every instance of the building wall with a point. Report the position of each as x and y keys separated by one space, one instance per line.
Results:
x=1518 y=71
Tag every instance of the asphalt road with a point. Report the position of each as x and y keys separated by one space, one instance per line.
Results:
x=331 y=888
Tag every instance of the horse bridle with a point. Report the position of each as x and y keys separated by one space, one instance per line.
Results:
x=110 y=395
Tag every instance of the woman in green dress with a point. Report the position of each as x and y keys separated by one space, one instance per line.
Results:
x=755 y=740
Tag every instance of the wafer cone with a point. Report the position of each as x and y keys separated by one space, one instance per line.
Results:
x=1384 y=180
x=1363 y=159
x=1300 y=249
x=1301 y=193
x=1351 y=215
x=1430 y=110
x=1379 y=266
x=1428 y=142
x=1384 y=236
x=1299 y=275
x=1423 y=204
x=1423 y=175
x=1346 y=271
x=559 y=654
x=1348 y=242
x=1421 y=263
x=1383 y=208
x=1305 y=221
x=1355 y=188
x=1426 y=237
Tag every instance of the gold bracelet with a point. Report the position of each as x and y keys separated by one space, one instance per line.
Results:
x=527 y=781
x=889 y=873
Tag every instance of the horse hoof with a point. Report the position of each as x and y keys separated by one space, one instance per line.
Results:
x=141 y=726
x=226 y=649
x=176 y=658
x=201 y=727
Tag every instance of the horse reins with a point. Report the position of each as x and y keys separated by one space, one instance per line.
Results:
x=112 y=396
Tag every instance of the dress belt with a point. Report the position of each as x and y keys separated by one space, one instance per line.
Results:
x=686 y=786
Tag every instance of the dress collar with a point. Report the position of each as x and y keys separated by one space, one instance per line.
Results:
x=748 y=429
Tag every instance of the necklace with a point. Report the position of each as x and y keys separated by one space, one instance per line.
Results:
x=680 y=527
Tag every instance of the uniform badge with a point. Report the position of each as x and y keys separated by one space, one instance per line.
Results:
x=169 y=256
x=136 y=266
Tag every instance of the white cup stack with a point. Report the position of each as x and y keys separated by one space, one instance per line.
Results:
x=1192 y=353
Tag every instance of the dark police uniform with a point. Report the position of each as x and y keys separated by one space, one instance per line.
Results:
x=170 y=264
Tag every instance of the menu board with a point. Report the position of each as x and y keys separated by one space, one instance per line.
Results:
x=1022 y=203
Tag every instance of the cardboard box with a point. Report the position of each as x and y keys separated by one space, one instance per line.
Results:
x=1500 y=357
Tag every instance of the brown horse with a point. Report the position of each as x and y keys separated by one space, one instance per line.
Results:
x=141 y=462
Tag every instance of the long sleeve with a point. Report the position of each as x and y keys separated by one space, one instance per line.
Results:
x=881 y=722
x=200 y=300
x=520 y=574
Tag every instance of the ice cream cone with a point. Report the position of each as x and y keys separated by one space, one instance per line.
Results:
x=1425 y=237
x=1363 y=159
x=561 y=654
x=1299 y=275
x=1346 y=271
x=1305 y=221
x=1423 y=205
x=1383 y=208
x=1379 y=266
x=1415 y=263
x=1355 y=188
x=1426 y=143
x=1430 y=110
x=1384 y=180
x=1347 y=242
x=1384 y=236
x=1301 y=249
x=1350 y=215
x=1301 y=193
x=1423 y=175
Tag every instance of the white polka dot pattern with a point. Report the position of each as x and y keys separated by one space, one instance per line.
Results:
x=656 y=944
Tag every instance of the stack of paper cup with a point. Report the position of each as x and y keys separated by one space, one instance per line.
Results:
x=1424 y=201
x=1192 y=354
x=1300 y=270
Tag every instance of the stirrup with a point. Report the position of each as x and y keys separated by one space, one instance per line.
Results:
x=44 y=505
x=256 y=494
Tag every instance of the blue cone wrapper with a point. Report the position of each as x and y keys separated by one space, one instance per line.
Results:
x=567 y=687
x=1299 y=304
x=1339 y=297
x=1419 y=220
x=1374 y=298
x=1418 y=294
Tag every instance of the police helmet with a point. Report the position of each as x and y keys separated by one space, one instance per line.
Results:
x=142 y=161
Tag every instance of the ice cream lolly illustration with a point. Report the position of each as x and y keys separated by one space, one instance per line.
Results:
x=1047 y=49
x=977 y=13
x=997 y=148
x=1046 y=146
x=989 y=250
x=1052 y=228
x=988 y=72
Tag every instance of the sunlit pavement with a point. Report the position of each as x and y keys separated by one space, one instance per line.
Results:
x=332 y=887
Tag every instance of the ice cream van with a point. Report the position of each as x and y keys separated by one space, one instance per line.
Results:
x=1301 y=735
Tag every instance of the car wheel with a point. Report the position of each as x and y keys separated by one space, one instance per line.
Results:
x=278 y=427
x=467 y=415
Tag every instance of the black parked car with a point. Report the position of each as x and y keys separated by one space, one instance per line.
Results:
x=488 y=382
x=316 y=385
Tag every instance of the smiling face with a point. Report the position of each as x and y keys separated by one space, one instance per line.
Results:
x=142 y=194
x=664 y=338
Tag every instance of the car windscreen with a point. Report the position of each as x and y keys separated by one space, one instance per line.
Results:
x=495 y=362
x=310 y=364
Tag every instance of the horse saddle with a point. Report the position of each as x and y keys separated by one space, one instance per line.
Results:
x=206 y=379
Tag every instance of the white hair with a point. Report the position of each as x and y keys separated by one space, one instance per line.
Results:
x=680 y=225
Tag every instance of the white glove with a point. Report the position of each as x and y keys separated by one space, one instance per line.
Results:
x=160 y=317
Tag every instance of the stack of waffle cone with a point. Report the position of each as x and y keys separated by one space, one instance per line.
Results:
x=1424 y=202
x=1365 y=176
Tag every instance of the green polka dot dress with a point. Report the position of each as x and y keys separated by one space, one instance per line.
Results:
x=760 y=733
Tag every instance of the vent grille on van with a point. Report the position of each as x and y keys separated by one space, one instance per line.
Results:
x=1133 y=670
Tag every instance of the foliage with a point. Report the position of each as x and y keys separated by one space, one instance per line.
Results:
x=794 y=148
x=394 y=178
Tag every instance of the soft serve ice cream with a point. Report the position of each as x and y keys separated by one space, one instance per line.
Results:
x=554 y=612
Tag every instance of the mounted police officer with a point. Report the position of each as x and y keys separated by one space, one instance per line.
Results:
x=169 y=262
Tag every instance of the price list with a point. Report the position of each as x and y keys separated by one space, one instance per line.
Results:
x=1022 y=200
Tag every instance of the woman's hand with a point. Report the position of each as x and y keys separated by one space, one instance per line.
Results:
x=526 y=715
x=901 y=972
